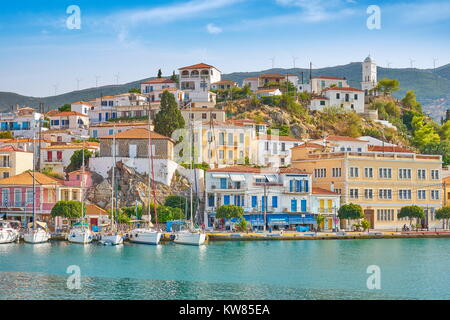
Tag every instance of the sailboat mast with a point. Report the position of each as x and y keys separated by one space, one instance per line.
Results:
x=113 y=179
x=82 y=183
x=150 y=148
x=191 y=145
x=34 y=183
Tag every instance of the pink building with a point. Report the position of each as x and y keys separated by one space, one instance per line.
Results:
x=75 y=179
x=16 y=196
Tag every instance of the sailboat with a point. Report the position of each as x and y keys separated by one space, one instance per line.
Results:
x=7 y=233
x=80 y=232
x=148 y=235
x=113 y=237
x=190 y=235
x=37 y=232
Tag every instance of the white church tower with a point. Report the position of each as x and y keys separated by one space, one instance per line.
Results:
x=369 y=75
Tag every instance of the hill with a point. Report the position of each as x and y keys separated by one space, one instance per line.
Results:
x=431 y=86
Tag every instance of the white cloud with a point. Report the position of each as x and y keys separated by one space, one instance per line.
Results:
x=318 y=10
x=175 y=12
x=213 y=29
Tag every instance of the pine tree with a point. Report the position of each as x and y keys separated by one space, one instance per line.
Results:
x=174 y=77
x=169 y=118
x=159 y=74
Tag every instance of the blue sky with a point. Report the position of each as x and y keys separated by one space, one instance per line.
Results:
x=135 y=38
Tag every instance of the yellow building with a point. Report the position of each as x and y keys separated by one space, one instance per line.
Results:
x=446 y=192
x=382 y=180
x=14 y=161
x=219 y=143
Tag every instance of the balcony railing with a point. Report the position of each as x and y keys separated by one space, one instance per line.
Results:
x=53 y=160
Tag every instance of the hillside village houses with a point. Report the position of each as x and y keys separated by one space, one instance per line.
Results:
x=298 y=178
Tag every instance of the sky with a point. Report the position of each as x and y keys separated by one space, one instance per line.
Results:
x=45 y=49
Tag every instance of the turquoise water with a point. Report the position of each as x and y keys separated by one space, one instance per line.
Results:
x=332 y=269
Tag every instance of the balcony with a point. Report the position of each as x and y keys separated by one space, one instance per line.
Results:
x=53 y=160
x=229 y=188
x=4 y=165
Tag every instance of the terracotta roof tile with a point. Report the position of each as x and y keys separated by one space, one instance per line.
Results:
x=343 y=89
x=93 y=210
x=26 y=178
x=280 y=138
x=198 y=66
x=158 y=80
x=137 y=133
x=389 y=149
x=323 y=191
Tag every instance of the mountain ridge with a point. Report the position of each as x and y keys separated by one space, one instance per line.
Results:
x=432 y=86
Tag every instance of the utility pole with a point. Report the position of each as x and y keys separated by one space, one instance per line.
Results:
x=56 y=88
x=96 y=81
x=294 y=59
x=117 y=75
x=41 y=112
x=273 y=62
x=265 y=206
x=411 y=61
x=78 y=83
x=434 y=63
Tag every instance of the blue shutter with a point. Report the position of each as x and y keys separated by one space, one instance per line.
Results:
x=254 y=201
x=303 y=205
x=211 y=201
x=291 y=187
x=306 y=186
x=226 y=200
x=275 y=201
x=100 y=117
x=223 y=183
x=293 y=205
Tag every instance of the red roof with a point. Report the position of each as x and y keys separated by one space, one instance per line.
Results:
x=389 y=149
x=342 y=89
x=320 y=98
x=329 y=77
x=198 y=66
x=309 y=145
x=322 y=191
x=12 y=148
x=251 y=78
x=158 y=80
x=272 y=75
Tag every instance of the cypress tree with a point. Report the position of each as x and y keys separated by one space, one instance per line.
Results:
x=169 y=118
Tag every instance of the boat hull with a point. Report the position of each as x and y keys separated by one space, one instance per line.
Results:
x=145 y=237
x=39 y=236
x=194 y=239
x=8 y=236
x=80 y=237
x=114 y=240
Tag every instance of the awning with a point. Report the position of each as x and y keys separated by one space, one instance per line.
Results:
x=259 y=177
x=217 y=176
x=237 y=178
x=38 y=223
x=271 y=178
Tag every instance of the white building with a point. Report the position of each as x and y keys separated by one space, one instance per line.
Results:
x=71 y=120
x=343 y=144
x=286 y=195
x=107 y=128
x=20 y=122
x=81 y=107
x=348 y=98
x=369 y=75
x=263 y=80
x=57 y=157
x=319 y=84
x=196 y=81
x=274 y=151
x=224 y=85
x=268 y=92
x=154 y=89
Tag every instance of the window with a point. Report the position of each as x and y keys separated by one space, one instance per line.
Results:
x=354 y=172
x=223 y=183
x=354 y=194
x=204 y=116
x=385 y=173
x=283 y=146
x=404 y=195
x=385 y=214
x=274 y=202
x=5 y=175
x=322 y=102
x=422 y=194
x=230 y=154
x=421 y=174
x=320 y=173
x=338 y=95
x=337 y=172
x=230 y=139
x=435 y=194
x=368 y=172
x=435 y=174
x=221 y=139
x=275 y=148
x=368 y=194
x=254 y=201
x=241 y=138
x=385 y=194
x=221 y=155
x=29 y=197
x=17 y=197
x=355 y=96
x=404 y=174
x=5 y=197
x=266 y=146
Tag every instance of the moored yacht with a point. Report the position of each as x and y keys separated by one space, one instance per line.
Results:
x=7 y=233
x=37 y=233
x=145 y=236
x=194 y=237
x=80 y=234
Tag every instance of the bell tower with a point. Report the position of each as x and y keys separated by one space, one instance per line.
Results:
x=369 y=75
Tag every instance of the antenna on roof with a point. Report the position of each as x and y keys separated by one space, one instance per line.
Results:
x=117 y=75
x=56 y=88
x=294 y=59
x=388 y=64
x=411 y=61
x=434 y=63
x=78 y=83
x=96 y=81
x=273 y=62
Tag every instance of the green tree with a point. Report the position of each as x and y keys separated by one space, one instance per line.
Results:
x=169 y=118
x=411 y=212
x=6 y=135
x=320 y=219
x=365 y=224
x=67 y=209
x=159 y=74
x=164 y=214
x=442 y=148
x=229 y=212
x=134 y=90
x=350 y=212
x=65 y=108
x=182 y=203
x=423 y=133
x=444 y=215
x=174 y=77
x=243 y=225
x=76 y=161
x=388 y=86
x=410 y=102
